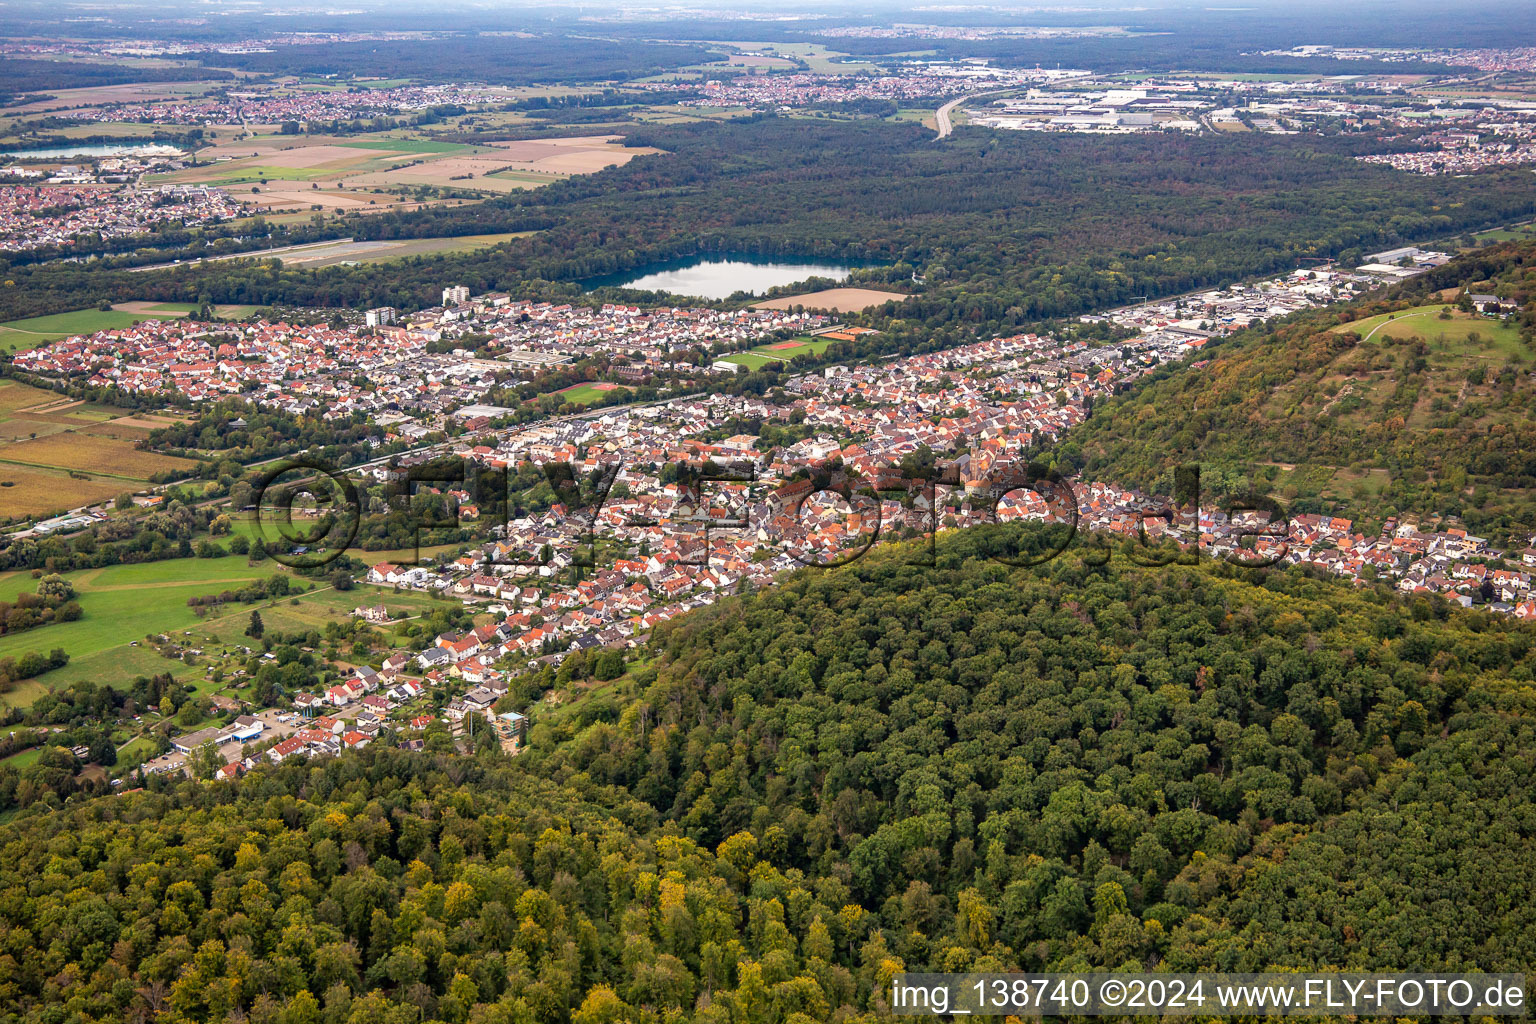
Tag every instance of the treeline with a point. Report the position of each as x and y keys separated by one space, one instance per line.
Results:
x=280 y=585
x=53 y=601
x=29 y=665
x=239 y=432
x=498 y=59
x=22 y=75
x=164 y=533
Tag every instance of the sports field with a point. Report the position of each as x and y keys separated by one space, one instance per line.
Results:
x=586 y=394
x=781 y=351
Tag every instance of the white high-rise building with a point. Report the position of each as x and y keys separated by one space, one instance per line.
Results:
x=455 y=295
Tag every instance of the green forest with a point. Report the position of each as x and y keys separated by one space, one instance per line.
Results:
x=1006 y=229
x=804 y=790
x=1429 y=416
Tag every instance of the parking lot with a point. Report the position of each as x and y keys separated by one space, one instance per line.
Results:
x=273 y=728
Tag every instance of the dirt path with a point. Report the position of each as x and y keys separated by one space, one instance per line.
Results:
x=54 y=405
x=1384 y=323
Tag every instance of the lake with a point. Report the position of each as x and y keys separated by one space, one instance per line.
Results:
x=106 y=149
x=718 y=278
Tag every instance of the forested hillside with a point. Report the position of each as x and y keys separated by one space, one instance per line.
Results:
x=811 y=787
x=1410 y=404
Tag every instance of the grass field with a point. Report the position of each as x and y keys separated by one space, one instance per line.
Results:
x=529 y=177
x=383 y=251
x=245 y=526
x=751 y=360
x=395 y=145
x=1363 y=385
x=33 y=331
x=586 y=394
x=779 y=352
x=246 y=173
x=1517 y=232
x=1494 y=338
x=21 y=759
x=123 y=604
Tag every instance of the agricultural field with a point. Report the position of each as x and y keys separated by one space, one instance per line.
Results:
x=296 y=174
x=817 y=58
x=383 y=250
x=109 y=95
x=290 y=158
x=82 y=449
x=509 y=166
x=838 y=300
x=57 y=453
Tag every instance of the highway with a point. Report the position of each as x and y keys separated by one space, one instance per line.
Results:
x=941 y=119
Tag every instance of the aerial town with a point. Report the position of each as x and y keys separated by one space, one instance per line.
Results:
x=34 y=217
x=979 y=408
x=698 y=513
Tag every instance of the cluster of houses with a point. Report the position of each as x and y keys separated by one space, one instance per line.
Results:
x=644 y=339
x=351 y=714
x=54 y=216
x=302 y=369
x=255 y=104
x=917 y=80
x=979 y=405
x=389 y=370
x=1509 y=140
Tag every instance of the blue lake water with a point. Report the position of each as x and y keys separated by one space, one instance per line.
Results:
x=718 y=278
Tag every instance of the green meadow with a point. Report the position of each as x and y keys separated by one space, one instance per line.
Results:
x=38 y=330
